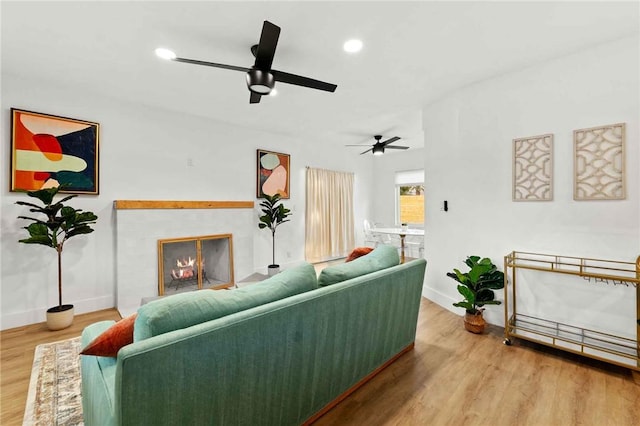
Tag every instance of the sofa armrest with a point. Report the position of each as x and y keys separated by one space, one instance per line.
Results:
x=97 y=380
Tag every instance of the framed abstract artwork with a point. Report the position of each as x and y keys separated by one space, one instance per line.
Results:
x=50 y=151
x=273 y=174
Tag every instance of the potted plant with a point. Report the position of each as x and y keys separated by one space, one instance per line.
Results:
x=61 y=222
x=274 y=214
x=476 y=286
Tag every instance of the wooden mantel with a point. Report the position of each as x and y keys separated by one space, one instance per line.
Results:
x=171 y=204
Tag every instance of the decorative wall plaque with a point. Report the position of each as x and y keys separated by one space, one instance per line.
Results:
x=599 y=163
x=533 y=168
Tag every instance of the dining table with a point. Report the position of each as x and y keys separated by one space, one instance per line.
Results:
x=402 y=232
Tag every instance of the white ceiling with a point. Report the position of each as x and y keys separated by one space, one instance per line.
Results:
x=414 y=53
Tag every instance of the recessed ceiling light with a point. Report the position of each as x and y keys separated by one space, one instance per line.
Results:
x=167 y=54
x=352 y=46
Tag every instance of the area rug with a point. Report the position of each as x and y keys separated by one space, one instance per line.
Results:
x=54 y=389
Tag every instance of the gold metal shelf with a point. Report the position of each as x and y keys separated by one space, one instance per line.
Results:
x=599 y=269
x=591 y=343
x=578 y=340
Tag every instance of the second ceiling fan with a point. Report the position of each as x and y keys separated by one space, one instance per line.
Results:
x=261 y=78
x=379 y=147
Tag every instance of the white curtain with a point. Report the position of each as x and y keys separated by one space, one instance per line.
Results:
x=329 y=215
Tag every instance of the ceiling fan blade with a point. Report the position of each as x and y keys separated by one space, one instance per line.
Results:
x=370 y=149
x=299 y=80
x=211 y=64
x=361 y=145
x=255 y=98
x=392 y=140
x=396 y=147
x=267 y=45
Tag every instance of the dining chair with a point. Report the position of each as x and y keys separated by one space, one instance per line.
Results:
x=414 y=245
x=369 y=237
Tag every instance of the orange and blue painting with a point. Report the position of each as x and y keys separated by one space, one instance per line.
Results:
x=50 y=151
x=273 y=174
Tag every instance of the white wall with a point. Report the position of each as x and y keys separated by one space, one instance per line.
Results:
x=468 y=142
x=144 y=154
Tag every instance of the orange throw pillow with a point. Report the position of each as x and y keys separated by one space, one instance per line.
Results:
x=111 y=340
x=357 y=252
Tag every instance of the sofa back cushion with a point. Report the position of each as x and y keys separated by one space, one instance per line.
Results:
x=382 y=257
x=187 y=309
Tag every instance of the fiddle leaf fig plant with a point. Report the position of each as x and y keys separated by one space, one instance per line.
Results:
x=59 y=224
x=477 y=284
x=274 y=215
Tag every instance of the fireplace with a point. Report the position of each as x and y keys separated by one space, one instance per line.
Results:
x=195 y=263
x=141 y=223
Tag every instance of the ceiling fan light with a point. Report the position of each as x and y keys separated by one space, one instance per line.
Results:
x=260 y=82
x=378 y=149
x=167 y=54
x=352 y=46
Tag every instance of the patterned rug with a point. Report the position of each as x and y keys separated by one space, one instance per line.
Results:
x=54 y=390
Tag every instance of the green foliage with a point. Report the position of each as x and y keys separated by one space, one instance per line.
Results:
x=477 y=285
x=411 y=189
x=274 y=215
x=60 y=222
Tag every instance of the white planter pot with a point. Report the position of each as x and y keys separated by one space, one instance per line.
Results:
x=59 y=319
x=273 y=269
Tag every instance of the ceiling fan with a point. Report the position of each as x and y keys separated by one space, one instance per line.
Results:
x=261 y=78
x=379 y=147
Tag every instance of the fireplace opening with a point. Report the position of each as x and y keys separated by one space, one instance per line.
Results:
x=195 y=263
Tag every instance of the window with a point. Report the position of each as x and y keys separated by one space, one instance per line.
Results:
x=410 y=197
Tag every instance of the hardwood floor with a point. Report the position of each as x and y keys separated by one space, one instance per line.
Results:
x=16 y=358
x=452 y=377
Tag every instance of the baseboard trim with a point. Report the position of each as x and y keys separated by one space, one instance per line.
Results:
x=35 y=316
x=355 y=387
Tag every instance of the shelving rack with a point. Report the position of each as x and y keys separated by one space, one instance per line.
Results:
x=591 y=343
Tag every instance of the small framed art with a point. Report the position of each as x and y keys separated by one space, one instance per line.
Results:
x=273 y=170
x=50 y=151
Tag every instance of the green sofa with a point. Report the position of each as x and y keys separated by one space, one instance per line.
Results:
x=276 y=362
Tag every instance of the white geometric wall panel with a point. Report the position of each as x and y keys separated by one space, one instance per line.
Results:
x=533 y=168
x=599 y=163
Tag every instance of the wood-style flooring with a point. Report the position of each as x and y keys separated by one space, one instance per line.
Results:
x=452 y=377
x=17 y=346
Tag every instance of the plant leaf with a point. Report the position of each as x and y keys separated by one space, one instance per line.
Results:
x=39 y=239
x=44 y=195
x=467 y=293
x=484 y=295
x=24 y=203
x=37 y=229
x=464 y=304
x=490 y=302
x=78 y=230
x=471 y=260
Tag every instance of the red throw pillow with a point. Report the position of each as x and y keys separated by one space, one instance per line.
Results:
x=357 y=252
x=111 y=340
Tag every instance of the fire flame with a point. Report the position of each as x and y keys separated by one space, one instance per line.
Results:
x=185 y=263
x=185 y=268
